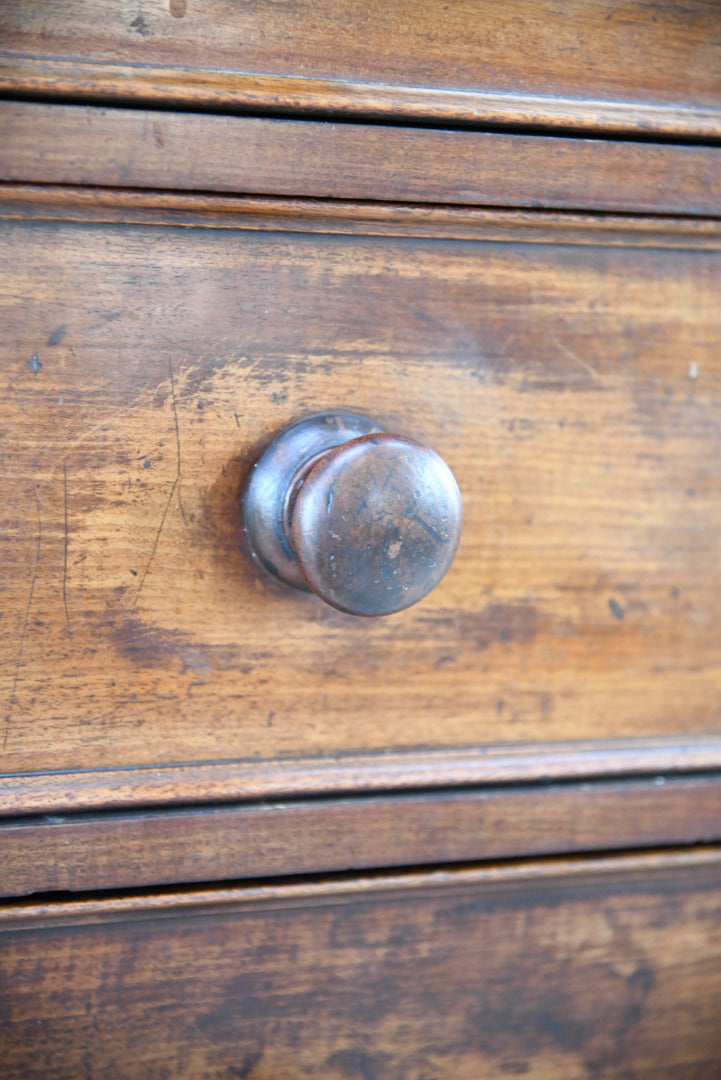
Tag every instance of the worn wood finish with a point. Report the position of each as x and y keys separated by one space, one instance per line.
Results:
x=282 y=95
x=129 y=148
x=569 y=388
x=356 y=774
x=89 y=852
x=532 y=874
x=49 y=202
x=560 y=971
x=592 y=65
x=544 y=311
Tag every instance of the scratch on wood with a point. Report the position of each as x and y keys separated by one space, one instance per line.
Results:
x=65 y=548
x=104 y=426
x=177 y=439
x=23 y=633
x=577 y=359
x=171 y=494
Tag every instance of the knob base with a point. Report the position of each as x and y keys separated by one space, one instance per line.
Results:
x=275 y=478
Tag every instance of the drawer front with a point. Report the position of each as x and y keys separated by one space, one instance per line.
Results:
x=571 y=386
x=567 y=971
x=594 y=66
x=564 y=366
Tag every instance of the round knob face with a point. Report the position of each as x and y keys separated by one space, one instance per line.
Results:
x=375 y=524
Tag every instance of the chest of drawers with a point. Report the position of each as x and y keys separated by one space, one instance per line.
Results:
x=245 y=834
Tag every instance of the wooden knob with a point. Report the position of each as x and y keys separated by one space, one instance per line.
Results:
x=367 y=520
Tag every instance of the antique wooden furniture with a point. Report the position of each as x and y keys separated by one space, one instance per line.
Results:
x=246 y=834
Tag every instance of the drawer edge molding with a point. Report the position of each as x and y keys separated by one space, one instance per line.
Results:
x=646 y=868
x=240 y=780
x=116 y=147
x=111 y=206
x=270 y=839
x=284 y=95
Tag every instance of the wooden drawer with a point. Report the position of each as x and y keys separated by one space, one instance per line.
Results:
x=543 y=310
x=599 y=969
x=535 y=294
x=564 y=366
x=639 y=67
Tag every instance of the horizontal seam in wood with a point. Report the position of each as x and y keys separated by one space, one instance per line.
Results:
x=332 y=889
x=349 y=798
x=302 y=214
x=198 y=89
x=230 y=781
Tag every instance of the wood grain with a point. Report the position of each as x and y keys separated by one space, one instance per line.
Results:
x=66 y=144
x=357 y=774
x=51 y=202
x=572 y=389
x=567 y=970
x=110 y=851
x=542 y=310
x=532 y=874
x=594 y=65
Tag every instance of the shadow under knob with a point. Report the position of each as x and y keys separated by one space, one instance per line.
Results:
x=367 y=520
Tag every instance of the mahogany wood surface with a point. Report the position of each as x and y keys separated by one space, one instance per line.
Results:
x=115 y=850
x=52 y=202
x=544 y=310
x=561 y=970
x=357 y=774
x=586 y=65
x=72 y=144
x=569 y=387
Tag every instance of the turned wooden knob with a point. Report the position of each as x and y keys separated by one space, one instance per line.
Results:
x=367 y=520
